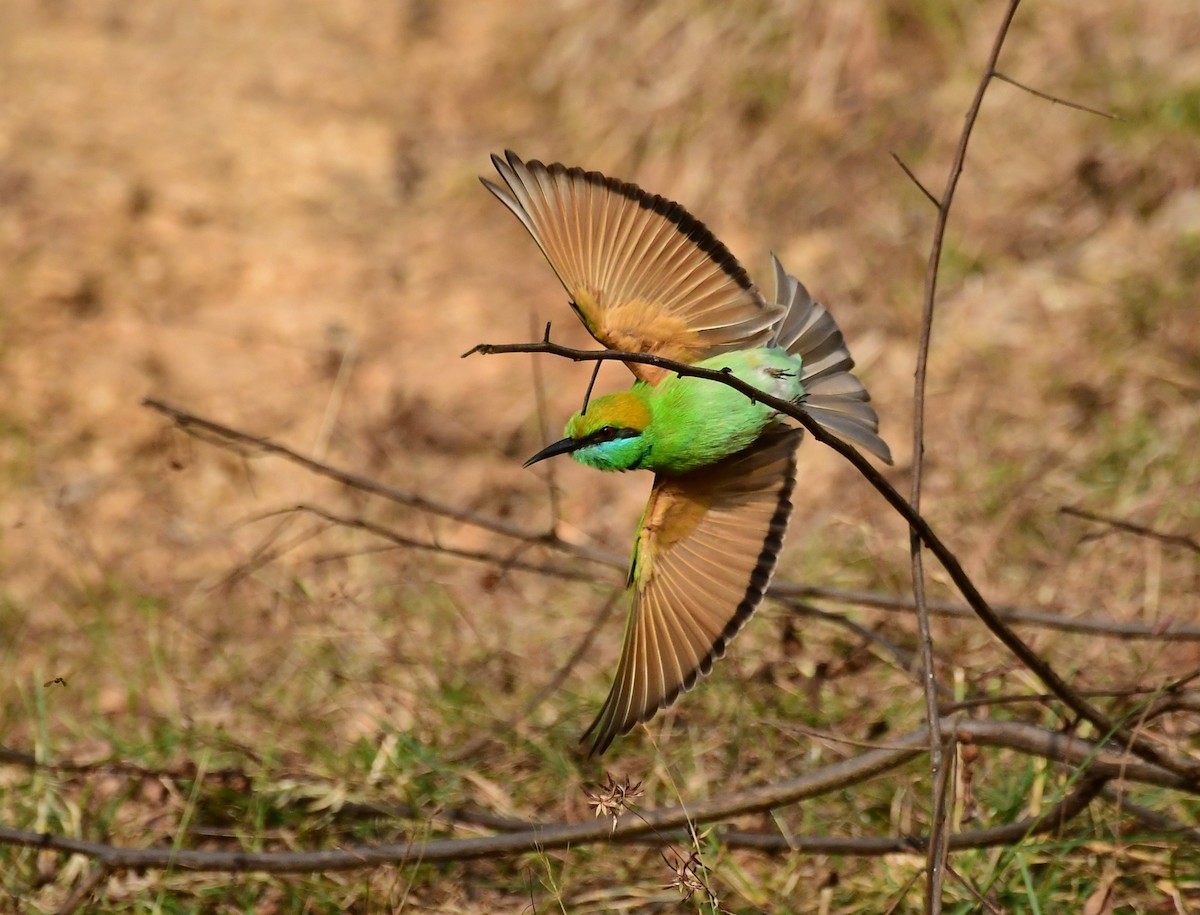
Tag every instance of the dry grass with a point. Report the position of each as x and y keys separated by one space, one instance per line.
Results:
x=269 y=213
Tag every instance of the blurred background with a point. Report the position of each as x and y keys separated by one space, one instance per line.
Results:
x=269 y=214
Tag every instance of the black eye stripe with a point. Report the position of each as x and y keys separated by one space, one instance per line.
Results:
x=609 y=434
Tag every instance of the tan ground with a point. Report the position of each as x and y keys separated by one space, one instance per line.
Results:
x=268 y=213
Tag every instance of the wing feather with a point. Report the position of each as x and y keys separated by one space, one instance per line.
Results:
x=834 y=397
x=705 y=555
x=644 y=274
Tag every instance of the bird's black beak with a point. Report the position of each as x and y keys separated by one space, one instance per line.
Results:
x=565 y=446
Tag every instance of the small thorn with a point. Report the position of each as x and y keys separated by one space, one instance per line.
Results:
x=546 y=336
x=477 y=348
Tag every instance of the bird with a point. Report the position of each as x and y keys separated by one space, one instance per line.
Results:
x=647 y=277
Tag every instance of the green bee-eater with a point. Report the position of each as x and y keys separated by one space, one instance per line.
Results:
x=647 y=277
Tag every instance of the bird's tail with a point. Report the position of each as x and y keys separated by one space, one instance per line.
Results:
x=834 y=397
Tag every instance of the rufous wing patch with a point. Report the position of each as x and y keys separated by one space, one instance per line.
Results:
x=644 y=274
x=643 y=327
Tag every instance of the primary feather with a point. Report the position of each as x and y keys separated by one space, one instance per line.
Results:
x=645 y=276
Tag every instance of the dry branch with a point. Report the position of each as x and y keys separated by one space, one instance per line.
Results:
x=937 y=850
x=1056 y=100
x=1184 y=767
x=1098 y=765
x=225 y=436
x=1045 y=619
x=1181 y=540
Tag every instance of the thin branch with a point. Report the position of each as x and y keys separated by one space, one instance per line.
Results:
x=1171 y=703
x=903 y=894
x=587 y=395
x=1056 y=99
x=904 y=659
x=915 y=180
x=974 y=891
x=539 y=394
x=231 y=438
x=1189 y=543
x=1152 y=819
x=267 y=552
x=227 y=436
x=1051 y=819
x=1184 y=767
x=645 y=825
x=934 y=873
x=1115 y=629
x=83 y=892
x=385 y=533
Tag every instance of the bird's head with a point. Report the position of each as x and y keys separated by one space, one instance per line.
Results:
x=610 y=435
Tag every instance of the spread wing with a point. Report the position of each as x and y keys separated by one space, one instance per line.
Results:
x=643 y=274
x=705 y=553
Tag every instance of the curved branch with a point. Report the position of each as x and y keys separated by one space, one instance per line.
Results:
x=1052 y=818
x=1185 y=768
x=642 y=826
x=224 y=436
x=227 y=436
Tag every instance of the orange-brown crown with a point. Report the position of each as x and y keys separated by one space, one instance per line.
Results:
x=622 y=410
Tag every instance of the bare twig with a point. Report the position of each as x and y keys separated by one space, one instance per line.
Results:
x=390 y=535
x=904 y=659
x=904 y=890
x=228 y=436
x=1189 y=543
x=1009 y=613
x=551 y=686
x=917 y=181
x=268 y=551
x=974 y=891
x=1170 y=703
x=83 y=892
x=934 y=871
x=1056 y=99
x=224 y=436
x=655 y=825
x=539 y=394
x=1184 y=767
x=1152 y=819
x=587 y=395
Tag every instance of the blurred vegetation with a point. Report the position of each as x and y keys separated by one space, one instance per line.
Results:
x=268 y=213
